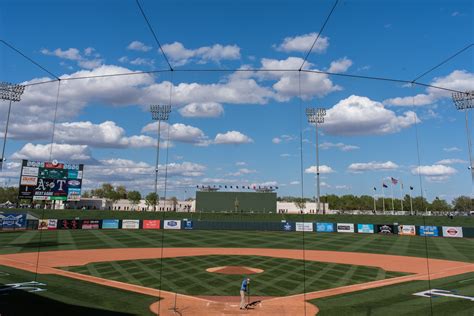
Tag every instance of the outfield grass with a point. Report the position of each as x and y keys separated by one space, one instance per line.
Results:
x=466 y=221
x=188 y=275
x=399 y=299
x=460 y=249
x=64 y=296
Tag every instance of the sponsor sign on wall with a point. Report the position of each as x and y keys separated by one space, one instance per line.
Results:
x=172 y=224
x=385 y=229
x=50 y=181
x=451 y=231
x=345 y=228
x=47 y=224
x=188 y=224
x=69 y=224
x=409 y=230
x=91 y=224
x=13 y=221
x=304 y=226
x=151 y=224
x=325 y=227
x=130 y=223
x=430 y=231
x=287 y=227
x=365 y=228
x=110 y=223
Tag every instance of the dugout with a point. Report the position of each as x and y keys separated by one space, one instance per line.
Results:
x=236 y=202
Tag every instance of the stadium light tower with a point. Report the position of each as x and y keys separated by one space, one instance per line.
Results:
x=9 y=92
x=159 y=113
x=465 y=101
x=316 y=116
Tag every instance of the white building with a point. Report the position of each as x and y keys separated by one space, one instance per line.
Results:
x=292 y=208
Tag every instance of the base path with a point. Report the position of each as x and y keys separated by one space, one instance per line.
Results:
x=277 y=306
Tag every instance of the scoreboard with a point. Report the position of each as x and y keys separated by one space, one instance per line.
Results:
x=46 y=181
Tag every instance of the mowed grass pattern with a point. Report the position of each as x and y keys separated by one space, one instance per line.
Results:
x=188 y=275
x=459 y=249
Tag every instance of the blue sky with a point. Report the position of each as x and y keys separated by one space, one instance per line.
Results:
x=243 y=128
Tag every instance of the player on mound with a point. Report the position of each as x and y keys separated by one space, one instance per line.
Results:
x=243 y=290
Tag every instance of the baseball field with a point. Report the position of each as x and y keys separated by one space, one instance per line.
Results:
x=198 y=272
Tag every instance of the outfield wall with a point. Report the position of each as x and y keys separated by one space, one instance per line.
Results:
x=18 y=222
x=245 y=202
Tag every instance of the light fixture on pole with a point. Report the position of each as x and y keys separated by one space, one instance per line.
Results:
x=10 y=92
x=316 y=116
x=465 y=101
x=159 y=113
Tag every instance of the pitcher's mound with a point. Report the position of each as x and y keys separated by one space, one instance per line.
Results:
x=234 y=270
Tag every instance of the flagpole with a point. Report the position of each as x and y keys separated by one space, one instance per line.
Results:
x=383 y=198
x=401 y=194
x=375 y=206
x=393 y=205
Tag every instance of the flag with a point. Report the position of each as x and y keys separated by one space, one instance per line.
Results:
x=225 y=186
x=411 y=188
x=394 y=181
x=384 y=185
x=375 y=189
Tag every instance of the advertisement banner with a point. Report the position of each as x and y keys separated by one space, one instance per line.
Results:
x=172 y=224
x=53 y=165
x=385 y=229
x=69 y=224
x=345 y=228
x=73 y=194
x=47 y=224
x=28 y=180
x=429 y=231
x=365 y=228
x=30 y=171
x=287 y=227
x=13 y=221
x=450 y=231
x=26 y=192
x=52 y=173
x=188 y=224
x=130 y=224
x=408 y=230
x=91 y=224
x=110 y=224
x=54 y=189
x=325 y=227
x=151 y=224
x=304 y=226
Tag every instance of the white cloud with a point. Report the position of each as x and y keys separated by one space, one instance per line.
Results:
x=138 y=46
x=74 y=54
x=358 y=115
x=142 y=62
x=276 y=140
x=302 y=43
x=342 y=187
x=179 y=55
x=178 y=132
x=265 y=184
x=340 y=65
x=206 y=109
x=285 y=155
x=460 y=80
x=294 y=182
x=340 y=146
x=372 y=166
x=240 y=163
x=290 y=84
x=451 y=149
x=323 y=169
x=64 y=152
x=242 y=171
x=232 y=137
x=435 y=173
x=451 y=161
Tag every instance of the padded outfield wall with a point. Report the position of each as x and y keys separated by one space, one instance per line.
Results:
x=247 y=202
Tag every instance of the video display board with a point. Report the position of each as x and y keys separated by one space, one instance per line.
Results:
x=50 y=181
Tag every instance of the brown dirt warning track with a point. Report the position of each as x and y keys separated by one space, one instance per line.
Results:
x=220 y=305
